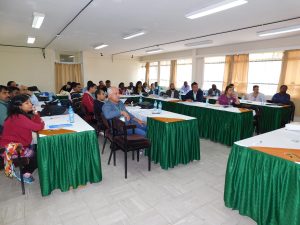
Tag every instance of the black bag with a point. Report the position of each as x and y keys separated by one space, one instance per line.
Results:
x=53 y=110
x=146 y=105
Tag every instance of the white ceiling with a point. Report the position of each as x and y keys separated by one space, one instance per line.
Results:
x=106 y=21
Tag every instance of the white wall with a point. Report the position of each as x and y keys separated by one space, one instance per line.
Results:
x=96 y=68
x=28 y=67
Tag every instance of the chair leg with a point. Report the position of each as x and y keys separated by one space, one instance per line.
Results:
x=138 y=155
x=104 y=145
x=110 y=155
x=125 y=157
x=132 y=155
x=114 y=157
x=149 y=159
x=22 y=180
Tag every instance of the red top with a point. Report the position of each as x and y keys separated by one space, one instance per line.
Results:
x=19 y=128
x=88 y=102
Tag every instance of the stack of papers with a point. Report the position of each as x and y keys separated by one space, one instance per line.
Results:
x=293 y=126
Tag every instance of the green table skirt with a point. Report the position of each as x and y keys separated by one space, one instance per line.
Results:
x=216 y=125
x=273 y=118
x=173 y=143
x=68 y=160
x=263 y=187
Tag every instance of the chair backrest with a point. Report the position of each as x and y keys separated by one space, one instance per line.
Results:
x=119 y=127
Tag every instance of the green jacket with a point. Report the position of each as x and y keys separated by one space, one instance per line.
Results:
x=3 y=112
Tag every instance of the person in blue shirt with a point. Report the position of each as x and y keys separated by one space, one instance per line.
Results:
x=115 y=108
x=194 y=95
x=282 y=97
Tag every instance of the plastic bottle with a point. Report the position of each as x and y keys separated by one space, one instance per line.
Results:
x=207 y=100
x=71 y=115
x=140 y=100
x=155 y=106
x=159 y=107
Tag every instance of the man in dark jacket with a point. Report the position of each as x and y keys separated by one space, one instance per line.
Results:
x=194 y=95
x=172 y=92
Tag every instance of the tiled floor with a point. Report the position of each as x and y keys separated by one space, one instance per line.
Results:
x=186 y=195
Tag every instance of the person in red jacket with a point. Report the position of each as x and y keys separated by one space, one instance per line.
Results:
x=17 y=129
x=88 y=102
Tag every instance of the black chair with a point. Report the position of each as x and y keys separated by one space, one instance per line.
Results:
x=75 y=95
x=18 y=162
x=256 y=118
x=128 y=142
x=107 y=131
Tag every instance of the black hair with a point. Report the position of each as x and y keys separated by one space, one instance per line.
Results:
x=98 y=92
x=64 y=88
x=107 y=81
x=283 y=86
x=137 y=84
x=9 y=83
x=2 y=87
x=91 y=85
x=121 y=84
x=255 y=86
x=14 y=106
x=194 y=83
x=74 y=84
x=231 y=85
x=11 y=89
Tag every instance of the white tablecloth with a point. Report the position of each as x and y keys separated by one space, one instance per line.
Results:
x=79 y=125
x=280 y=138
x=261 y=104
x=143 y=114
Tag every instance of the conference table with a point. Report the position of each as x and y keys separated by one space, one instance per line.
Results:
x=174 y=137
x=68 y=154
x=263 y=178
x=272 y=116
x=217 y=123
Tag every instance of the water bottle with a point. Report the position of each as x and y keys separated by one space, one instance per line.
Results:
x=140 y=100
x=159 y=107
x=261 y=100
x=158 y=90
x=71 y=115
x=207 y=101
x=50 y=97
x=155 y=104
x=59 y=103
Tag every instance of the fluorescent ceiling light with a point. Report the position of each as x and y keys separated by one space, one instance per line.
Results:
x=154 y=50
x=30 y=40
x=38 y=19
x=100 y=46
x=206 y=42
x=140 y=33
x=71 y=56
x=279 y=31
x=218 y=7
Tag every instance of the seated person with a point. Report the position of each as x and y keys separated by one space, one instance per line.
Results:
x=4 y=98
x=115 y=108
x=107 y=84
x=18 y=128
x=152 y=89
x=282 y=97
x=13 y=91
x=88 y=102
x=213 y=91
x=76 y=88
x=131 y=87
x=99 y=101
x=64 y=91
x=24 y=91
x=255 y=95
x=234 y=92
x=228 y=98
x=102 y=86
x=185 y=88
x=122 y=89
x=139 y=88
x=88 y=84
x=172 y=92
x=145 y=86
x=194 y=95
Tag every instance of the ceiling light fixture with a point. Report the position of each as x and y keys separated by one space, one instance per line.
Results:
x=218 y=7
x=282 y=30
x=38 y=19
x=30 y=40
x=192 y=44
x=140 y=33
x=100 y=46
x=154 y=50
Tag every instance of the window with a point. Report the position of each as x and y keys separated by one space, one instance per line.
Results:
x=142 y=73
x=264 y=70
x=184 y=72
x=153 y=72
x=213 y=72
x=164 y=73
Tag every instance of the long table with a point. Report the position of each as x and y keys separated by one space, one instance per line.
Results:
x=263 y=178
x=272 y=116
x=67 y=157
x=174 y=137
x=219 y=124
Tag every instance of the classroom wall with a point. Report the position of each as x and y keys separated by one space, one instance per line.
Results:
x=96 y=68
x=27 y=67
